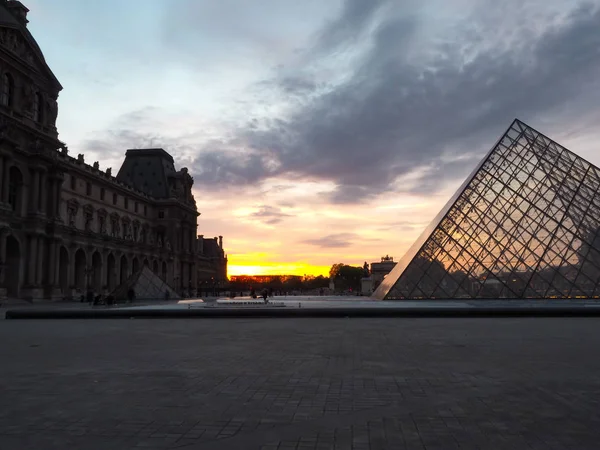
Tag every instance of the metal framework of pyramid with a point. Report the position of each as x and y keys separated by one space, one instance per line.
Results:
x=525 y=224
x=146 y=285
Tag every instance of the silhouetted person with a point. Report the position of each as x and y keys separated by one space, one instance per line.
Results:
x=131 y=295
x=265 y=294
x=90 y=297
x=167 y=294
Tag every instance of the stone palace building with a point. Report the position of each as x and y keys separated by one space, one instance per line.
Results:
x=65 y=225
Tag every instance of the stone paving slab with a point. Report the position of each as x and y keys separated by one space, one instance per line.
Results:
x=300 y=384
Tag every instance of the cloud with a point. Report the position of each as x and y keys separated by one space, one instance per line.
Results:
x=269 y=215
x=333 y=240
x=352 y=22
x=393 y=115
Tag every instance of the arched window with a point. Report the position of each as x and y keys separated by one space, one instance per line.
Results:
x=8 y=88
x=37 y=107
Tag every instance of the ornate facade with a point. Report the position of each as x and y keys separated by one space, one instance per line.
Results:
x=65 y=225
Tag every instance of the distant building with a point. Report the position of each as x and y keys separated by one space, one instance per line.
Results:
x=66 y=226
x=378 y=272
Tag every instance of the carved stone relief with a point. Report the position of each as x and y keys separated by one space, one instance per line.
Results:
x=13 y=41
x=72 y=209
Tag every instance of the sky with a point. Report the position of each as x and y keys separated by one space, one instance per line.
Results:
x=320 y=132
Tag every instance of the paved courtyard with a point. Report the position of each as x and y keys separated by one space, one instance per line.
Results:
x=300 y=384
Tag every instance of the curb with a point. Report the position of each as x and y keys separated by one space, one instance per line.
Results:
x=442 y=312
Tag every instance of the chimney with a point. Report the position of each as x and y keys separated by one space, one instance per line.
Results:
x=19 y=11
x=221 y=241
x=201 y=244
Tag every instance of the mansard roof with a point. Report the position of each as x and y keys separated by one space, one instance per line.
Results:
x=148 y=170
x=9 y=20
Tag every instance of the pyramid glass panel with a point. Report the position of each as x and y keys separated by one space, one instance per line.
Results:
x=525 y=224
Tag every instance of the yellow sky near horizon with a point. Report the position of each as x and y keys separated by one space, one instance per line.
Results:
x=275 y=269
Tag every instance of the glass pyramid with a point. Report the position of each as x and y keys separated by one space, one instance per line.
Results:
x=525 y=224
x=146 y=285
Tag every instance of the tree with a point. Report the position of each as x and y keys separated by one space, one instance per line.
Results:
x=335 y=270
x=346 y=277
x=311 y=282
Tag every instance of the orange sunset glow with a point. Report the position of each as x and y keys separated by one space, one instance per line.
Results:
x=276 y=269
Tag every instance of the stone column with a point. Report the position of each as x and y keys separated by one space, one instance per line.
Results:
x=34 y=190
x=6 y=174
x=32 y=263
x=89 y=281
x=3 y=237
x=71 y=269
x=50 y=186
x=53 y=263
x=58 y=185
x=181 y=284
x=56 y=269
x=2 y=176
x=118 y=269
x=194 y=276
x=43 y=192
x=39 y=279
x=103 y=268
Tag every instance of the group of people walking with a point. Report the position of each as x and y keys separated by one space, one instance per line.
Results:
x=265 y=293
x=108 y=300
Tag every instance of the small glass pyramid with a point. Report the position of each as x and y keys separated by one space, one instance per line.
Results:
x=146 y=285
x=525 y=224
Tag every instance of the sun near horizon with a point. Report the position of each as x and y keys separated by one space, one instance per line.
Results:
x=276 y=269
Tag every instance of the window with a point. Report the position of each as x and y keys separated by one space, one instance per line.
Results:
x=102 y=194
x=73 y=183
x=15 y=182
x=161 y=214
x=136 y=207
x=37 y=107
x=88 y=189
x=8 y=88
x=114 y=199
x=126 y=203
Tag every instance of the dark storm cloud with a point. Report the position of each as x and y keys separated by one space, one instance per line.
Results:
x=269 y=215
x=297 y=85
x=355 y=17
x=392 y=118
